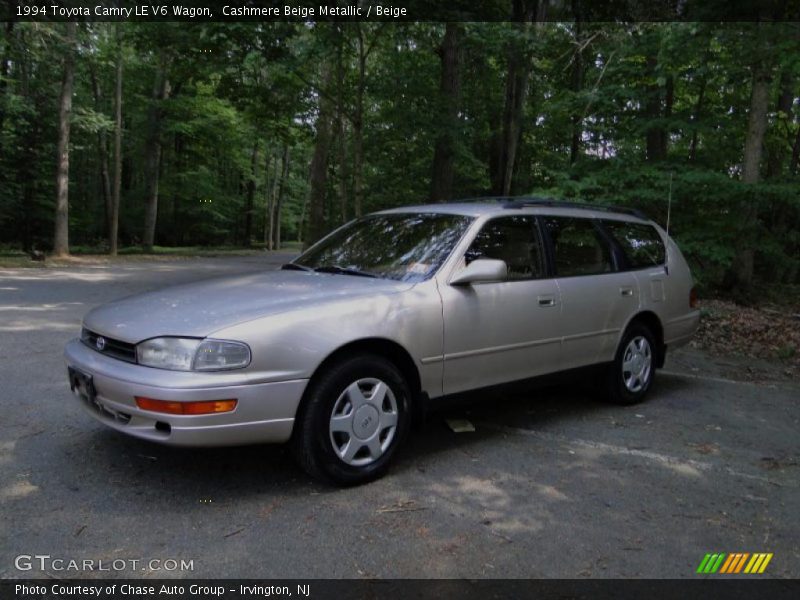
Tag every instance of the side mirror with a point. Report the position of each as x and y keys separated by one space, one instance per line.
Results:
x=482 y=270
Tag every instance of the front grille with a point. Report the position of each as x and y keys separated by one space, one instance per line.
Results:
x=110 y=347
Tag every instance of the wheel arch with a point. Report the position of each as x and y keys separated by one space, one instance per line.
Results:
x=383 y=347
x=653 y=323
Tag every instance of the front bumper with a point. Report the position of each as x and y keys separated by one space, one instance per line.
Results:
x=264 y=411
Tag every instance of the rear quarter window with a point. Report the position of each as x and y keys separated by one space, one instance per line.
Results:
x=578 y=247
x=642 y=245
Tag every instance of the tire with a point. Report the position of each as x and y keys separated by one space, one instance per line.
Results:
x=353 y=418
x=633 y=371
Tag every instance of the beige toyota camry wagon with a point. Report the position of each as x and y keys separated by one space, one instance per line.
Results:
x=389 y=313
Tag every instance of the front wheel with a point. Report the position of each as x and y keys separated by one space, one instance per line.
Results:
x=353 y=418
x=631 y=374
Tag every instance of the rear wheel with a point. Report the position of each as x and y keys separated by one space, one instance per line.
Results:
x=353 y=418
x=631 y=374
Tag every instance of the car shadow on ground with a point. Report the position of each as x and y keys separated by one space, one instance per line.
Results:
x=135 y=468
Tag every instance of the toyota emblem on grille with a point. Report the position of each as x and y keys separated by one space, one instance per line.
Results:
x=100 y=343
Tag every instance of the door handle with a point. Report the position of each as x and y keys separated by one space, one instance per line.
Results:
x=626 y=291
x=547 y=301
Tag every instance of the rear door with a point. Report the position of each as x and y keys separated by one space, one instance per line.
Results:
x=597 y=297
x=502 y=331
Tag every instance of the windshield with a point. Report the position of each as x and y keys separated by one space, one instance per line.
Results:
x=402 y=246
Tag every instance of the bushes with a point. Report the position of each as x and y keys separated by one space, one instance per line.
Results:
x=706 y=215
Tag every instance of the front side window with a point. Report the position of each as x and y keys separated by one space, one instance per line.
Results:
x=579 y=248
x=642 y=245
x=514 y=240
x=401 y=246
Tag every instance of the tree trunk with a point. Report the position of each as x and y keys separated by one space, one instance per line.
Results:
x=153 y=152
x=250 y=197
x=358 y=126
x=5 y=65
x=269 y=198
x=795 y=162
x=114 y=221
x=102 y=149
x=315 y=226
x=577 y=86
x=449 y=93
x=784 y=106
x=279 y=200
x=655 y=135
x=756 y=127
x=519 y=69
x=61 y=237
x=742 y=268
x=698 y=108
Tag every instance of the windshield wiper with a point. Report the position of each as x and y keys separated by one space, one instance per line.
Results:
x=344 y=271
x=295 y=267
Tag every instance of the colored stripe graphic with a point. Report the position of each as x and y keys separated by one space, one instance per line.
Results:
x=764 y=564
x=711 y=563
x=703 y=563
x=740 y=564
x=734 y=563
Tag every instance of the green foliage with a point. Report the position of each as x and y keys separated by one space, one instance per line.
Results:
x=240 y=93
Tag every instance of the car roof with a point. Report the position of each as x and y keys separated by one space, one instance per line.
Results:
x=524 y=205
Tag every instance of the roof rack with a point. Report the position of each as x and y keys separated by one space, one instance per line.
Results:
x=525 y=201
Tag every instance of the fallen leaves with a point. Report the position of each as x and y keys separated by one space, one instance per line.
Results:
x=764 y=332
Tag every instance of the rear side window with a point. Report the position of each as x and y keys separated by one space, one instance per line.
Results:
x=514 y=240
x=578 y=247
x=642 y=245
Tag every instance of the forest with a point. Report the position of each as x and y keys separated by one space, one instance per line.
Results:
x=119 y=135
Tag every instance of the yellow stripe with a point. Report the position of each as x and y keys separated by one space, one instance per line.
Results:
x=741 y=562
x=724 y=568
x=765 y=563
x=761 y=558
x=752 y=562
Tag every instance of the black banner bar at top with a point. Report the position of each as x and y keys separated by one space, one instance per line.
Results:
x=400 y=10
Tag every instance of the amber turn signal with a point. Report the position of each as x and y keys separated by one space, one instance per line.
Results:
x=204 y=407
x=693 y=298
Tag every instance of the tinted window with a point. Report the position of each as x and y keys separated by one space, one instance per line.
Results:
x=578 y=246
x=404 y=246
x=641 y=243
x=514 y=240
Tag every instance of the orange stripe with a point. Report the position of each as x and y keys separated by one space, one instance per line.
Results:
x=765 y=563
x=732 y=566
x=724 y=568
x=741 y=562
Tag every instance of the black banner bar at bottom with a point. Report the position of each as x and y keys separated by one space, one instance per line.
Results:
x=389 y=589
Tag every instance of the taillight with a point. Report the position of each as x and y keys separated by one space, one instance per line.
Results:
x=693 y=298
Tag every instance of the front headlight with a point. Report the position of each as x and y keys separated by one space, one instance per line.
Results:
x=187 y=354
x=217 y=355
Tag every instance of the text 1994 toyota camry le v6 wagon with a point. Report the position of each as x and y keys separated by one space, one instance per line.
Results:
x=397 y=308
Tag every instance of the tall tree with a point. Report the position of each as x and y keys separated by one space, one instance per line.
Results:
x=516 y=90
x=61 y=236
x=318 y=171
x=450 y=54
x=742 y=268
x=114 y=220
x=153 y=148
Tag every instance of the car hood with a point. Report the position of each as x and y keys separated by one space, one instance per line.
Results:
x=198 y=309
